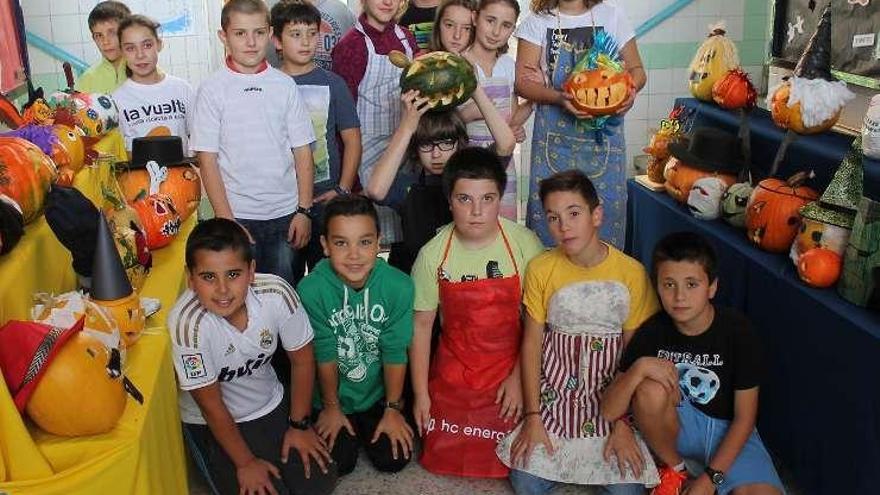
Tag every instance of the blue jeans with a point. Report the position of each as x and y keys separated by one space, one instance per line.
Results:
x=272 y=252
x=528 y=484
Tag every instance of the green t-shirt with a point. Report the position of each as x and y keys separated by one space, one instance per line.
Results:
x=102 y=77
x=359 y=329
x=464 y=262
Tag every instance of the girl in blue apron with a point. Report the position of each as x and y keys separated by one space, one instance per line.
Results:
x=552 y=39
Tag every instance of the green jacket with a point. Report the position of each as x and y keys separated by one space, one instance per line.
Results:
x=359 y=329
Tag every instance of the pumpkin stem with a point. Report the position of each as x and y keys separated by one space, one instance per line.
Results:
x=790 y=136
x=798 y=179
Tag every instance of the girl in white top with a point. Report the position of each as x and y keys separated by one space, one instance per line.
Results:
x=150 y=102
x=494 y=24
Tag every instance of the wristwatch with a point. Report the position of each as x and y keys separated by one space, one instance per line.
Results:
x=397 y=405
x=342 y=191
x=303 y=424
x=717 y=477
x=305 y=211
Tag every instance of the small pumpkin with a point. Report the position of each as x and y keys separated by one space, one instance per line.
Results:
x=182 y=185
x=734 y=91
x=600 y=91
x=714 y=58
x=734 y=202
x=820 y=267
x=77 y=395
x=446 y=79
x=790 y=117
x=680 y=178
x=68 y=152
x=26 y=173
x=159 y=217
x=772 y=218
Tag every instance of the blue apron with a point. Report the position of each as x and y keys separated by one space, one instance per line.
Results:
x=558 y=145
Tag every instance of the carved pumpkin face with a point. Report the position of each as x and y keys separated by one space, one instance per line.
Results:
x=182 y=185
x=734 y=91
x=58 y=404
x=772 y=217
x=68 y=152
x=680 y=178
x=734 y=202
x=815 y=234
x=128 y=316
x=160 y=219
x=131 y=242
x=599 y=91
x=820 y=267
x=789 y=117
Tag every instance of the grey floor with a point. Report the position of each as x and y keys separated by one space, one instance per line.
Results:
x=416 y=481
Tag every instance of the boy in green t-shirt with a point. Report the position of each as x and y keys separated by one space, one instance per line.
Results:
x=108 y=74
x=361 y=311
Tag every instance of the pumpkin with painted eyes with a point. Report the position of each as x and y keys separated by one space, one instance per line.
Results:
x=772 y=218
x=68 y=152
x=600 y=91
x=182 y=185
x=734 y=202
x=715 y=57
x=159 y=217
x=680 y=178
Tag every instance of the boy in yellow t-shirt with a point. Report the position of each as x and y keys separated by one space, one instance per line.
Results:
x=108 y=74
x=583 y=299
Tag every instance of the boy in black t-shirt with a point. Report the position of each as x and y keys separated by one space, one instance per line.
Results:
x=691 y=374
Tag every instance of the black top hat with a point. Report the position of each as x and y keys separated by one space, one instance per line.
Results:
x=710 y=149
x=109 y=281
x=164 y=150
x=815 y=63
x=73 y=219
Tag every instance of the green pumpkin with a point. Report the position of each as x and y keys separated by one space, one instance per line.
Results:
x=446 y=79
x=733 y=204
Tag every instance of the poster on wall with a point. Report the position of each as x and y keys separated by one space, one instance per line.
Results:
x=177 y=17
x=855 y=33
x=11 y=67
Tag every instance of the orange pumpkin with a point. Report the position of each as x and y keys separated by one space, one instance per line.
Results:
x=26 y=173
x=182 y=185
x=128 y=315
x=680 y=177
x=820 y=267
x=734 y=91
x=789 y=117
x=76 y=395
x=658 y=148
x=772 y=218
x=68 y=152
x=599 y=91
x=160 y=219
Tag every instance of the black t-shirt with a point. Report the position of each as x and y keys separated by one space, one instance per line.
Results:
x=420 y=21
x=711 y=366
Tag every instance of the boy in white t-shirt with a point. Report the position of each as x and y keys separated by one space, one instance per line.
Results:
x=224 y=330
x=248 y=118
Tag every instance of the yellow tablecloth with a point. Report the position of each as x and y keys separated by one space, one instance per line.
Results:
x=144 y=453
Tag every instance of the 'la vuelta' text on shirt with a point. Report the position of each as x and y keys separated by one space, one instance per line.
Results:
x=690 y=358
x=174 y=106
x=227 y=374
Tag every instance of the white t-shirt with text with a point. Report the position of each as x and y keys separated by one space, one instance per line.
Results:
x=161 y=109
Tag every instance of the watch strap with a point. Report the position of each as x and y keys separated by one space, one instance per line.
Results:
x=303 y=424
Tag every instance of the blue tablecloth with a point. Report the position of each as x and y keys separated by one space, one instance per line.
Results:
x=822 y=152
x=820 y=397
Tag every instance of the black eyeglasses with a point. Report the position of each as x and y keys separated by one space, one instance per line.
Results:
x=444 y=145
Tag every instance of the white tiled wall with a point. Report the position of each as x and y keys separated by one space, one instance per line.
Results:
x=64 y=23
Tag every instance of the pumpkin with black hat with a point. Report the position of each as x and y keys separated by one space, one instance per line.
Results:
x=181 y=182
x=709 y=152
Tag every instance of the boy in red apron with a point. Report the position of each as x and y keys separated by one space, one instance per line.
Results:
x=471 y=270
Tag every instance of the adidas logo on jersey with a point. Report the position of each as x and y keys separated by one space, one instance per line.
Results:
x=230 y=350
x=228 y=374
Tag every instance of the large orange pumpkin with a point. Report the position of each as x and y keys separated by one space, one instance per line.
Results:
x=599 y=91
x=76 y=395
x=789 y=117
x=68 y=152
x=680 y=177
x=182 y=185
x=820 y=267
x=734 y=91
x=160 y=219
x=26 y=173
x=772 y=218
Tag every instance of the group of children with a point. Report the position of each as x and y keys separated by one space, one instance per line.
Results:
x=540 y=354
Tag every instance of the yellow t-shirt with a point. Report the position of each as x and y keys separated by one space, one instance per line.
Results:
x=524 y=245
x=102 y=77
x=619 y=285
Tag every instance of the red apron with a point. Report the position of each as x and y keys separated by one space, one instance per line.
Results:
x=479 y=346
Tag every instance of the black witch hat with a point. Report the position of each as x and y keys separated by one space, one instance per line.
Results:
x=815 y=63
x=109 y=281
